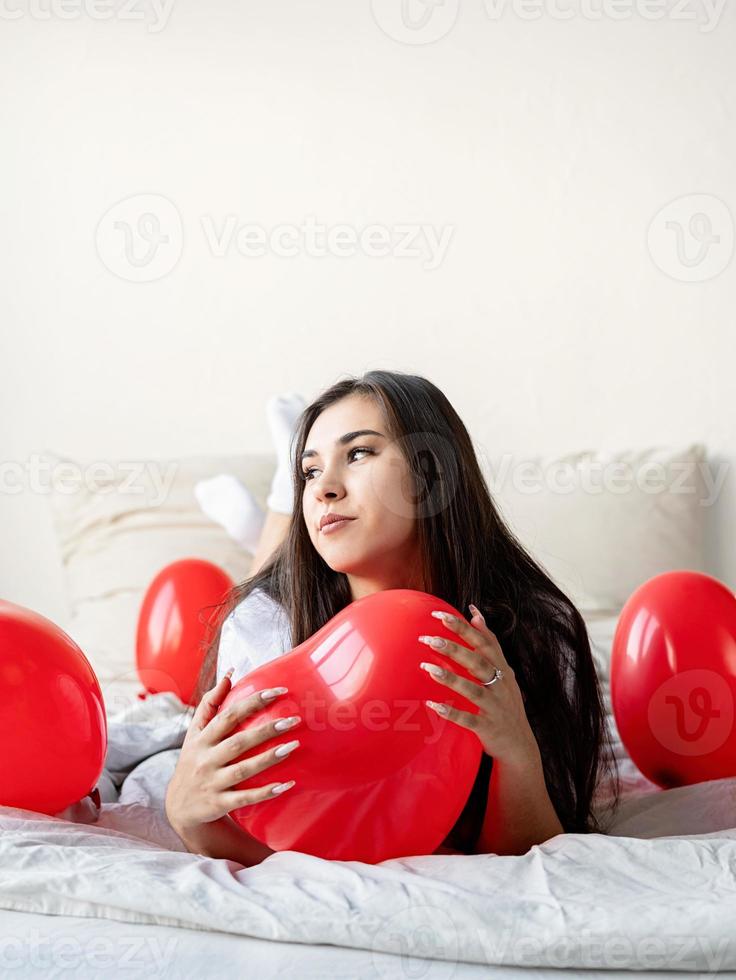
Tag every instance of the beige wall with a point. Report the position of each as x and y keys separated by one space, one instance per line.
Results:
x=544 y=149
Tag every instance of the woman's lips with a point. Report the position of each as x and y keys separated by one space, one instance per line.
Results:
x=336 y=525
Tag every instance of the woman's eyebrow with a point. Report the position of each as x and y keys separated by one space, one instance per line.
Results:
x=343 y=440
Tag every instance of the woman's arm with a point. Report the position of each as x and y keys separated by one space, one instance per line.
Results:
x=223 y=838
x=519 y=812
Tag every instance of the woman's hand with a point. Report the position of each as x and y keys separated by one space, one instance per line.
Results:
x=200 y=788
x=501 y=723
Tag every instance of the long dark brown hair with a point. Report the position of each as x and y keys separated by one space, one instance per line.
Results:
x=469 y=555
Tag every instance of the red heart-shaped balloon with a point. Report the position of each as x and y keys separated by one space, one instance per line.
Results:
x=673 y=678
x=173 y=622
x=378 y=773
x=53 y=729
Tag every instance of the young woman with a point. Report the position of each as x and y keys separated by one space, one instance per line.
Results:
x=388 y=451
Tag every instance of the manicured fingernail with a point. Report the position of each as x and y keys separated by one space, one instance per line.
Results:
x=229 y=673
x=444 y=616
x=441 y=708
x=432 y=669
x=284 y=723
x=283 y=750
x=280 y=787
x=433 y=641
x=273 y=692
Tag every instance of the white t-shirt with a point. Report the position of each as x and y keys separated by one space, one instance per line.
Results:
x=256 y=631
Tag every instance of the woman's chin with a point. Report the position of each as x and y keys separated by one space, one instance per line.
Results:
x=344 y=567
x=346 y=563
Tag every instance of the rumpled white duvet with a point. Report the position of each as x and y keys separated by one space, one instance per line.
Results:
x=656 y=892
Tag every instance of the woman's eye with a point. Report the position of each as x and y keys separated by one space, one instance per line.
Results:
x=355 y=449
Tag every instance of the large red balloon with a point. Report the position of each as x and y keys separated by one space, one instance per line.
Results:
x=378 y=773
x=53 y=730
x=673 y=678
x=173 y=623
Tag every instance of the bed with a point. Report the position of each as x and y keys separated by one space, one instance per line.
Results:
x=657 y=891
x=113 y=890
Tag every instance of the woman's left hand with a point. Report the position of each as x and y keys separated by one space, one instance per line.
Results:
x=501 y=723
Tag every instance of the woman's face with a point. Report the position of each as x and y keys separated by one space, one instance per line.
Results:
x=367 y=479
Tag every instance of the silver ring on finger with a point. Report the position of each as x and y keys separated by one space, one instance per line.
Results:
x=498 y=674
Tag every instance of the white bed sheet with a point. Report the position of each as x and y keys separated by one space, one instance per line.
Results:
x=46 y=947
x=64 y=947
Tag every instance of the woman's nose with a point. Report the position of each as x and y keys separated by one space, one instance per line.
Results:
x=329 y=491
x=329 y=487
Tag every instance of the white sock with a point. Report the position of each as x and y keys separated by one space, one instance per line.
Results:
x=283 y=412
x=227 y=502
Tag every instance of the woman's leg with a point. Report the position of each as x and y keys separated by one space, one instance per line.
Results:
x=282 y=412
x=272 y=534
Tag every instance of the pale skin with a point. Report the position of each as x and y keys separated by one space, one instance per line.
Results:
x=366 y=478
x=273 y=533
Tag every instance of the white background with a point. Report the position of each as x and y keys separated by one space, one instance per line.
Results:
x=548 y=146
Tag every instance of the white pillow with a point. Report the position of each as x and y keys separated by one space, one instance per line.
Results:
x=603 y=523
x=120 y=522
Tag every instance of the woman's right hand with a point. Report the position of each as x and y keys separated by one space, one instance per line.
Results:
x=200 y=789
